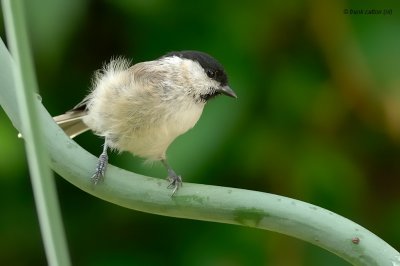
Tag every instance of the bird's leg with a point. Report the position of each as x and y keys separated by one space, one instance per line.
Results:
x=101 y=165
x=176 y=180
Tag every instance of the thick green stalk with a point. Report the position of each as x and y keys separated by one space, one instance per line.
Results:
x=30 y=124
x=266 y=211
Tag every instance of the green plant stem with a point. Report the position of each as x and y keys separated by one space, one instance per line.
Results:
x=266 y=211
x=41 y=176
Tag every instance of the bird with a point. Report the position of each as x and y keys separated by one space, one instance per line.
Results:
x=141 y=108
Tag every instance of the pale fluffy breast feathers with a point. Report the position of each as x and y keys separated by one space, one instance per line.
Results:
x=143 y=108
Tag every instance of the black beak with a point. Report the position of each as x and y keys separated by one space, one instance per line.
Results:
x=227 y=91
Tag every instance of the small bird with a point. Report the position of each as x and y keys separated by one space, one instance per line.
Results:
x=142 y=108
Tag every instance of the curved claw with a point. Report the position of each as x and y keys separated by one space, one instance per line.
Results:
x=176 y=182
x=97 y=177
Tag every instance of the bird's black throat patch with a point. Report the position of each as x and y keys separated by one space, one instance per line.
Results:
x=212 y=94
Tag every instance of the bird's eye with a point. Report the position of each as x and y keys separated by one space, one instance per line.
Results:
x=211 y=73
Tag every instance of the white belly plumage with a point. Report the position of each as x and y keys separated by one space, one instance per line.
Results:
x=152 y=142
x=128 y=126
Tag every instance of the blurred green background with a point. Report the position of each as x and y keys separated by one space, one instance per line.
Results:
x=317 y=119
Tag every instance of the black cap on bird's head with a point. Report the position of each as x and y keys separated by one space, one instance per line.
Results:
x=212 y=68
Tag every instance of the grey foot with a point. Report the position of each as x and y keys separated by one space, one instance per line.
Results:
x=176 y=181
x=100 y=169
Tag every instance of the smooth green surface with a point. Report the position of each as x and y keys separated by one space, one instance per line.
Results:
x=209 y=203
x=41 y=175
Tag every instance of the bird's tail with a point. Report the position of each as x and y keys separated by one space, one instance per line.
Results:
x=72 y=123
